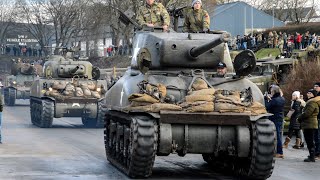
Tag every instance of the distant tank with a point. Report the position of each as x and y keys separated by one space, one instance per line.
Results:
x=67 y=89
x=170 y=101
x=17 y=85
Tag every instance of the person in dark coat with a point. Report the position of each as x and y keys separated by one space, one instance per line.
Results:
x=309 y=122
x=275 y=105
x=297 y=105
x=317 y=133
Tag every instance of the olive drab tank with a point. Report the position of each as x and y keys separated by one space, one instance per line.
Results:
x=170 y=101
x=17 y=85
x=68 y=88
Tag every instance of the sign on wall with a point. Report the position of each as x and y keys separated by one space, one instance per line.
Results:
x=22 y=40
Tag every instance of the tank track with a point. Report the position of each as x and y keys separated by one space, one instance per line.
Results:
x=261 y=161
x=260 y=164
x=131 y=142
x=10 y=96
x=262 y=150
x=42 y=112
x=95 y=122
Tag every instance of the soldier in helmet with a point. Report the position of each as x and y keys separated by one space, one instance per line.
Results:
x=196 y=18
x=153 y=14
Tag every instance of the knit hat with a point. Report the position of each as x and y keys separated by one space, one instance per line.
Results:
x=317 y=83
x=296 y=93
x=314 y=92
x=194 y=1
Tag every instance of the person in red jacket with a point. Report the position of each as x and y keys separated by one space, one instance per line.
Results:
x=299 y=40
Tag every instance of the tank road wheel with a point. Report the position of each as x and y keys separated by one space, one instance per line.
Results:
x=95 y=122
x=131 y=143
x=10 y=96
x=42 y=112
x=263 y=146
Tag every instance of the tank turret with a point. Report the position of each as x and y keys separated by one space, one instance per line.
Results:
x=158 y=51
x=22 y=68
x=62 y=68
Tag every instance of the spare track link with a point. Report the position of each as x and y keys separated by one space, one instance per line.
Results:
x=262 y=150
x=131 y=143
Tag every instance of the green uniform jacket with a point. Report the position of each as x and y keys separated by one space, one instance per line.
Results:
x=196 y=20
x=155 y=14
x=308 y=118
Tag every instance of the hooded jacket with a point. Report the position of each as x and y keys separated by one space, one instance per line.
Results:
x=308 y=118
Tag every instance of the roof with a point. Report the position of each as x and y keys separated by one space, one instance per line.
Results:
x=290 y=14
x=223 y=7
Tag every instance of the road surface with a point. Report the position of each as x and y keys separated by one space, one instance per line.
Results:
x=70 y=151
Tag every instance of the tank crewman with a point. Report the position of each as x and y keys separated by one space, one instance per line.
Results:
x=153 y=14
x=221 y=70
x=196 y=18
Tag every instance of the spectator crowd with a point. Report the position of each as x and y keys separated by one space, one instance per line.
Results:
x=122 y=50
x=274 y=39
x=27 y=51
x=303 y=114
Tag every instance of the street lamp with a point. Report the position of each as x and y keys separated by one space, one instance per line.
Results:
x=273 y=6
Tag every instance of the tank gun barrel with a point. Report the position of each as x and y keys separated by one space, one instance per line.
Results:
x=197 y=51
x=74 y=70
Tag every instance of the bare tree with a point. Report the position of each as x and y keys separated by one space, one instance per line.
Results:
x=295 y=11
x=36 y=21
x=66 y=18
x=6 y=17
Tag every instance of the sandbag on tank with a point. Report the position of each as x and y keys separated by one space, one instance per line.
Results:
x=257 y=108
x=199 y=84
x=69 y=90
x=79 y=92
x=201 y=107
x=156 y=107
x=210 y=91
x=194 y=98
x=142 y=98
x=228 y=107
x=59 y=85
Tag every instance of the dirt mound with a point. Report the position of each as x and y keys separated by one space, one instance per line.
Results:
x=110 y=62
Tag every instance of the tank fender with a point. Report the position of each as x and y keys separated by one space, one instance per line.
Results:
x=117 y=95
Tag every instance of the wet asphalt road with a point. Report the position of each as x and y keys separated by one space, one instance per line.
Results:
x=69 y=151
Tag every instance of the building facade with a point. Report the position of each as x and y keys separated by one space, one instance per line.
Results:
x=239 y=18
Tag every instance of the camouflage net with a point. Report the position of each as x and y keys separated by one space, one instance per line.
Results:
x=201 y=98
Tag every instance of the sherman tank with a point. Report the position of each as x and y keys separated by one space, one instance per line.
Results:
x=171 y=101
x=67 y=89
x=17 y=85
